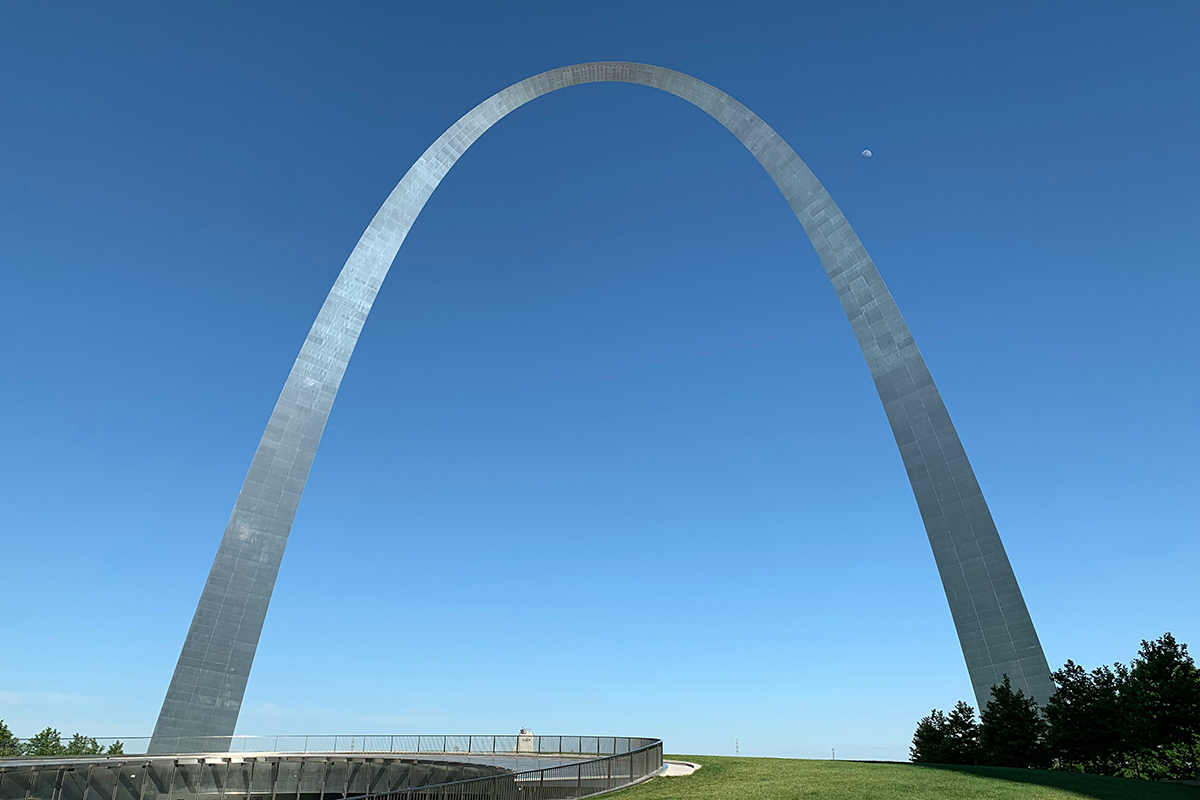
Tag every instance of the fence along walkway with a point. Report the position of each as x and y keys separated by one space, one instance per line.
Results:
x=336 y=767
x=566 y=782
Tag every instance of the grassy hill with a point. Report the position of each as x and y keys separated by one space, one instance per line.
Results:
x=724 y=778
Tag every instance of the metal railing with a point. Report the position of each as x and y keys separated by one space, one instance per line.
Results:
x=441 y=767
x=565 y=782
x=373 y=743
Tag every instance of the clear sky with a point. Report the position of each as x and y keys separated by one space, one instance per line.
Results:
x=607 y=458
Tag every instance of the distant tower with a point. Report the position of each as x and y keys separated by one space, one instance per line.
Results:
x=994 y=627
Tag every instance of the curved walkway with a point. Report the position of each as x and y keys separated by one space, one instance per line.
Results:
x=502 y=767
x=678 y=769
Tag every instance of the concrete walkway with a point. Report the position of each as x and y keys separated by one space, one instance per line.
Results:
x=675 y=769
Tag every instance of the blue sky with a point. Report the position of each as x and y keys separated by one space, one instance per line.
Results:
x=607 y=458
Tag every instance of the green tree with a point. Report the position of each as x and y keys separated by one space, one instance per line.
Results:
x=46 y=743
x=1012 y=731
x=83 y=746
x=1164 y=701
x=1069 y=714
x=962 y=735
x=9 y=745
x=947 y=738
x=1088 y=719
x=930 y=744
x=117 y=748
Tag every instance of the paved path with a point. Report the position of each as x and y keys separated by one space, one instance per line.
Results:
x=675 y=769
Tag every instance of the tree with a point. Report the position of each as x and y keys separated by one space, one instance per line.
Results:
x=49 y=743
x=1012 y=732
x=962 y=735
x=947 y=739
x=10 y=746
x=930 y=742
x=1164 y=699
x=1140 y=721
x=83 y=746
x=1068 y=712
x=46 y=743
x=1088 y=718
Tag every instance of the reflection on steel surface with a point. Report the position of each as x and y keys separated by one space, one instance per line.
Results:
x=994 y=627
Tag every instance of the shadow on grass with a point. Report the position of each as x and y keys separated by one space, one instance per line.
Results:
x=1099 y=787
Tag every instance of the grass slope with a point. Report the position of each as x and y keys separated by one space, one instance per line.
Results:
x=723 y=778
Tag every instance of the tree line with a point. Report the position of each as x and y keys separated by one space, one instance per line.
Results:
x=1135 y=721
x=50 y=743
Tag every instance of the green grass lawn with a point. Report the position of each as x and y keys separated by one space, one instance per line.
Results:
x=723 y=778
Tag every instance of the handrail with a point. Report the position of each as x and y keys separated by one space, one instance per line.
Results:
x=643 y=763
x=564 y=768
x=385 y=743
